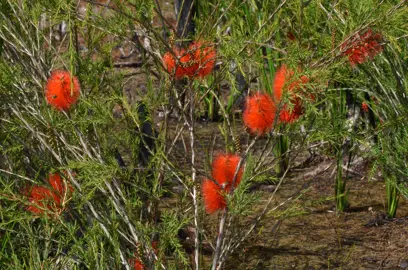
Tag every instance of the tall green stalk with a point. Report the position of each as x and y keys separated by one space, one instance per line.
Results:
x=340 y=190
x=338 y=117
x=281 y=152
x=393 y=195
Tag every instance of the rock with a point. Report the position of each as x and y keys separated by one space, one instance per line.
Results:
x=403 y=264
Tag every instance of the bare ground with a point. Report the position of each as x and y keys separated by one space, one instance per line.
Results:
x=314 y=237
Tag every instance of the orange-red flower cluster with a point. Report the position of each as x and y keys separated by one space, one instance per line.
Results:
x=197 y=61
x=259 y=113
x=43 y=198
x=364 y=107
x=283 y=83
x=205 y=56
x=180 y=63
x=137 y=264
x=260 y=109
x=223 y=171
x=62 y=90
x=362 y=46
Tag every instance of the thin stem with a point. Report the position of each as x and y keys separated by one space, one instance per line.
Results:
x=193 y=179
x=221 y=229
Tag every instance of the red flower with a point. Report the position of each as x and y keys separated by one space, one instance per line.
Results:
x=283 y=83
x=184 y=65
x=213 y=199
x=259 y=113
x=43 y=198
x=223 y=171
x=205 y=55
x=58 y=90
x=198 y=60
x=57 y=183
x=288 y=115
x=136 y=263
x=364 y=107
x=48 y=198
x=359 y=47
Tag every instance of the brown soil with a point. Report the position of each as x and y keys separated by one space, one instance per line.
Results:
x=314 y=237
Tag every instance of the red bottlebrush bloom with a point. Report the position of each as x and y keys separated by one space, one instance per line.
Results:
x=185 y=66
x=46 y=198
x=360 y=47
x=57 y=183
x=136 y=263
x=280 y=81
x=282 y=84
x=58 y=90
x=43 y=198
x=259 y=113
x=288 y=115
x=223 y=171
x=364 y=107
x=205 y=55
x=213 y=199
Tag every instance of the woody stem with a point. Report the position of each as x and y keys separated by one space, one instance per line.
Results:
x=193 y=179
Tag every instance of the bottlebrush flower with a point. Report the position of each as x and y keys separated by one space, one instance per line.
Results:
x=282 y=84
x=43 y=198
x=58 y=90
x=360 y=47
x=137 y=264
x=184 y=65
x=287 y=115
x=259 y=113
x=213 y=199
x=364 y=107
x=57 y=183
x=205 y=55
x=223 y=171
